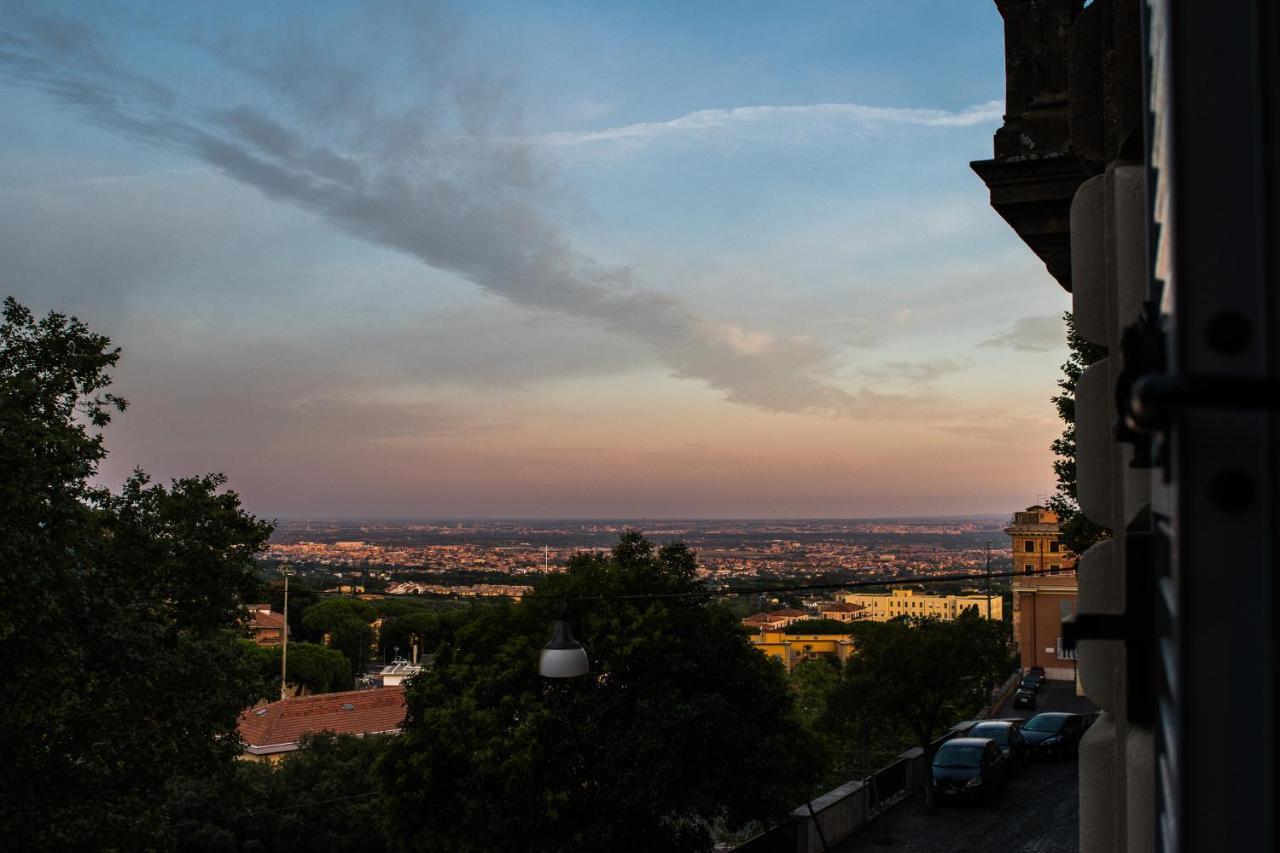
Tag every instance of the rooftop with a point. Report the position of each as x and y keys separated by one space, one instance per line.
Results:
x=279 y=726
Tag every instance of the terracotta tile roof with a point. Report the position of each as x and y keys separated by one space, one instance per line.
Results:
x=263 y=619
x=279 y=726
x=761 y=618
x=789 y=611
x=842 y=607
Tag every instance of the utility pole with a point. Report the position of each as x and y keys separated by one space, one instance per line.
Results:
x=287 y=571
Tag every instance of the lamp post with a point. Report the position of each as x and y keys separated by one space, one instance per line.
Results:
x=288 y=572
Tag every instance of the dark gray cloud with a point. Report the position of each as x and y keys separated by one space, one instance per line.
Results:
x=423 y=175
x=1031 y=334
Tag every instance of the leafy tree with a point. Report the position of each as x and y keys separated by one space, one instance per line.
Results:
x=322 y=797
x=120 y=623
x=430 y=628
x=813 y=681
x=1078 y=532
x=925 y=673
x=680 y=723
x=347 y=623
x=311 y=666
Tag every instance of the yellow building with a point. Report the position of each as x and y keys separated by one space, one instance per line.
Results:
x=1044 y=591
x=793 y=648
x=883 y=606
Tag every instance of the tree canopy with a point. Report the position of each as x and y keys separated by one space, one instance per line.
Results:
x=924 y=674
x=347 y=622
x=679 y=724
x=120 y=625
x=1078 y=532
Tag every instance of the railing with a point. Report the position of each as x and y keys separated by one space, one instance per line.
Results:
x=829 y=818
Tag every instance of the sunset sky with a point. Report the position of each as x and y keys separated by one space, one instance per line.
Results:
x=538 y=259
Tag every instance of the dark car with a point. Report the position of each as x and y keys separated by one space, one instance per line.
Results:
x=1006 y=735
x=1031 y=681
x=1054 y=734
x=1036 y=670
x=1024 y=698
x=969 y=768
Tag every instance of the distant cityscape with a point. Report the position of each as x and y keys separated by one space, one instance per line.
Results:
x=478 y=556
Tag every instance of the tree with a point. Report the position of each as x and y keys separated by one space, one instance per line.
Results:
x=429 y=629
x=347 y=622
x=926 y=673
x=322 y=797
x=310 y=666
x=120 y=625
x=679 y=724
x=1078 y=532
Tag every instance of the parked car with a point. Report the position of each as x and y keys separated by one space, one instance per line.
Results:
x=969 y=768
x=1025 y=698
x=1031 y=681
x=1006 y=735
x=1037 y=670
x=1054 y=734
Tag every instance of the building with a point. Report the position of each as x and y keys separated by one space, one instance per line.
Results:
x=395 y=673
x=842 y=611
x=791 y=649
x=266 y=626
x=1139 y=159
x=775 y=620
x=883 y=606
x=271 y=731
x=1044 y=593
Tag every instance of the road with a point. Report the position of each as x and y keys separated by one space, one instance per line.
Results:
x=1037 y=813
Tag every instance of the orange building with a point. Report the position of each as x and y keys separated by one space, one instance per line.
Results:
x=1044 y=591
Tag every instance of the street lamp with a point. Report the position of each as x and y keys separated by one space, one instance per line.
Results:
x=564 y=656
x=288 y=572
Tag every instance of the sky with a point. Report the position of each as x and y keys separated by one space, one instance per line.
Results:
x=553 y=259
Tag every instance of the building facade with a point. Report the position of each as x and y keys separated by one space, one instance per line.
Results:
x=883 y=606
x=791 y=649
x=1045 y=591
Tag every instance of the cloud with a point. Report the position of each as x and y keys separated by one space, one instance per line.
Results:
x=1031 y=334
x=437 y=179
x=917 y=372
x=755 y=119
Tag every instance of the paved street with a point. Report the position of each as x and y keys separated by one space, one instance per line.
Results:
x=1037 y=813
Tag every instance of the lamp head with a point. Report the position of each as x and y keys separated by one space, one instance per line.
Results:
x=564 y=656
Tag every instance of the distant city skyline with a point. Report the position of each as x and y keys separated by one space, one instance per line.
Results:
x=496 y=260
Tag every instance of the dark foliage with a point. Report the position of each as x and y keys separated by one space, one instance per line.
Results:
x=322 y=797
x=120 y=620
x=680 y=723
x=1078 y=532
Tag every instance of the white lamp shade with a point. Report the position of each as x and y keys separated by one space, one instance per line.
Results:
x=563 y=663
x=564 y=656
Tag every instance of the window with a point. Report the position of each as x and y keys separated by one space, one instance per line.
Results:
x=1065 y=654
x=1028 y=569
x=1053 y=547
x=1029 y=546
x=1055 y=568
x=1066 y=607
